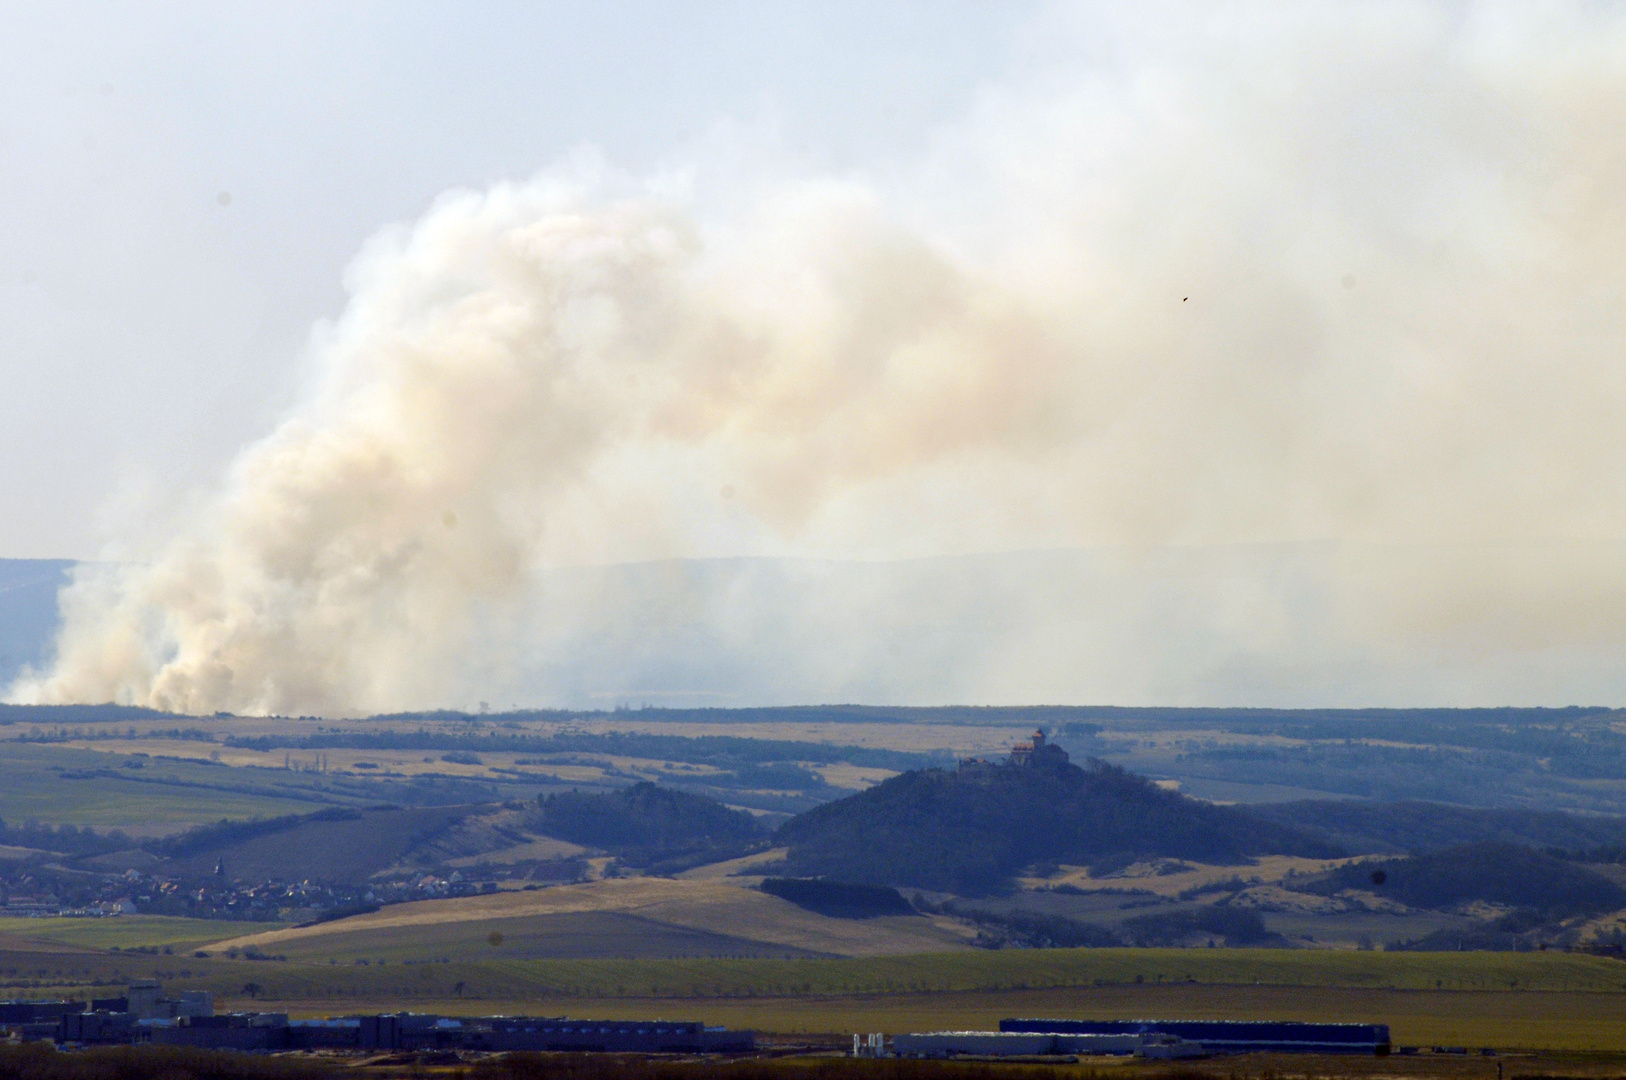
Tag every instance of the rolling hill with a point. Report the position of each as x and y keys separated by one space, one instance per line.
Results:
x=650 y=826
x=342 y=846
x=1493 y=873
x=973 y=830
x=1415 y=826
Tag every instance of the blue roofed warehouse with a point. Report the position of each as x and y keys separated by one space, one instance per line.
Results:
x=1231 y=1036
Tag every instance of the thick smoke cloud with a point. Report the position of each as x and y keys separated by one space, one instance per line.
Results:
x=1306 y=322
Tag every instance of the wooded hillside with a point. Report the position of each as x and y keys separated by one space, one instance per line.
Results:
x=971 y=831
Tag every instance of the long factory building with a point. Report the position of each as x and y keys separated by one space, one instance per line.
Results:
x=144 y=1016
x=1156 y=1039
x=1228 y=1036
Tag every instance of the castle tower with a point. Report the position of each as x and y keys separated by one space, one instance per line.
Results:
x=1038 y=751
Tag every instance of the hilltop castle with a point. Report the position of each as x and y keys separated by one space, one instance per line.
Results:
x=1036 y=752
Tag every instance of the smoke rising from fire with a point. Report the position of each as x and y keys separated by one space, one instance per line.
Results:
x=1337 y=279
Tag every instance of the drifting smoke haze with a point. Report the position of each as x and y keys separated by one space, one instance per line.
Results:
x=1286 y=342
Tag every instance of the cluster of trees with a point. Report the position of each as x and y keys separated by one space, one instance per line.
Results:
x=76 y=714
x=80 y=734
x=1218 y=922
x=63 y=838
x=838 y=899
x=1025 y=929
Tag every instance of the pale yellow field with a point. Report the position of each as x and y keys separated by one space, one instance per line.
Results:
x=962 y=739
x=545 y=848
x=853 y=777
x=745 y=871
x=397 y=762
x=410 y=763
x=1154 y=877
x=716 y=907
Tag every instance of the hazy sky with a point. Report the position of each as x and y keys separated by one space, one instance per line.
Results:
x=149 y=328
x=352 y=341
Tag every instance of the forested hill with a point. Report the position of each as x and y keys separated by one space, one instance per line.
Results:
x=972 y=831
x=654 y=827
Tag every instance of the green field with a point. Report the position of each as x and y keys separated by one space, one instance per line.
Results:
x=163 y=796
x=484 y=973
x=977 y=971
x=126 y=931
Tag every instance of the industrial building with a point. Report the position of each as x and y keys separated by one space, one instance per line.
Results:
x=416 y=1031
x=1040 y=1044
x=1156 y=1039
x=1229 y=1036
x=144 y=1015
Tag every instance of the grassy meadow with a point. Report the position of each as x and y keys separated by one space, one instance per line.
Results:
x=963 y=972
x=54 y=784
x=124 y=932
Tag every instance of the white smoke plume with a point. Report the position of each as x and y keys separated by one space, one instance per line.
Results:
x=1337 y=279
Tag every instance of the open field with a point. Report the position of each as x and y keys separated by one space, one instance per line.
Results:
x=1171 y=877
x=365 y=763
x=711 y=903
x=543 y=849
x=1552 y=1001
x=972 y=970
x=1304 y=919
x=434 y=928
x=1004 y=970
x=1503 y=1020
x=569 y=935
x=351 y=848
x=53 y=784
x=1542 y=759
x=123 y=932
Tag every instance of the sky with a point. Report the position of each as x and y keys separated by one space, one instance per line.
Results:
x=392 y=357
x=149 y=327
